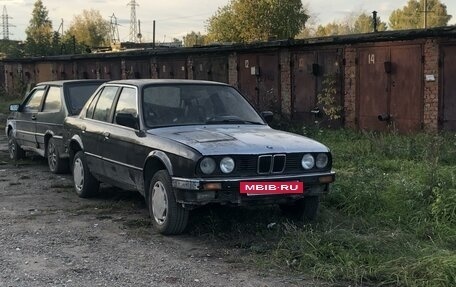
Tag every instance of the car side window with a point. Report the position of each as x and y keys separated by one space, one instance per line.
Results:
x=53 y=102
x=34 y=101
x=127 y=102
x=89 y=112
x=104 y=105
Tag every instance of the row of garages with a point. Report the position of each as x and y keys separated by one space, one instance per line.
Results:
x=389 y=80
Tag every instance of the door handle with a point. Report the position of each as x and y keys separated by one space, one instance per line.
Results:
x=34 y=118
x=106 y=135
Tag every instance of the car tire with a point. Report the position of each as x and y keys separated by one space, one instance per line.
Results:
x=304 y=209
x=168 y=217
x=14 y=150
x=55 y=163
x=85 y=184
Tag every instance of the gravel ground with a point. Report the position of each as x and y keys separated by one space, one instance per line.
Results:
x=50 y=237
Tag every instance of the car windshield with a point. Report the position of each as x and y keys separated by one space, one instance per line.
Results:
x=190 y=104
x=77 y=96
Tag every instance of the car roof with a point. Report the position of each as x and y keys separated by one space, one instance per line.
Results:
x=145 y=82
x=67 y=82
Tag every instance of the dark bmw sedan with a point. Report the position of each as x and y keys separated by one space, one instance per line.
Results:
x=36 y=124
x=184 y=143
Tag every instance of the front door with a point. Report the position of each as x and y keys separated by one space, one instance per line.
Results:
x=26 y=118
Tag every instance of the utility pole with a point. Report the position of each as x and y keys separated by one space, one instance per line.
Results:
x=114 y=30
x=139 y=31
x=5 y=24
x=133 y=25
x=425 y=14
x=374 y=20
x=60 y=30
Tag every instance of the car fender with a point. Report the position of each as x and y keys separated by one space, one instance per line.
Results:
x=160 y=155
x=76 y=139
x=10 y=125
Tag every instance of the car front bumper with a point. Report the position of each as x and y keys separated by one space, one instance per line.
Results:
x=199 y=191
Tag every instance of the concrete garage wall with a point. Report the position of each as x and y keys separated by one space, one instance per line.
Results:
x=415 y=103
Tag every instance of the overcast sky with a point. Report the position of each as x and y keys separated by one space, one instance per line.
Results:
x=175 y=18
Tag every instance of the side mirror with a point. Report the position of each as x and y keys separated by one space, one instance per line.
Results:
x=14 y=107
x=267 y=116
x=127 y=120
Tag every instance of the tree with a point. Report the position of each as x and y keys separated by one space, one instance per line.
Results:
x=39 y=32
x=332 y=29
x=194 y=39
x=90 y=28
x=11 y=49
x=411 y=16
x=260 y=20
x=363 y=23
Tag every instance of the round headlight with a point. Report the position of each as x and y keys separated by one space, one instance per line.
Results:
x=322 y=160
x=207 y=165
x=227 y=165
x=308 y=161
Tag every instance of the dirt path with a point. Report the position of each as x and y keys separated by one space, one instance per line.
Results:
x=50 y=237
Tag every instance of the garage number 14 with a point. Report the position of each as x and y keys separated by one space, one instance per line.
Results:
x=371 y=59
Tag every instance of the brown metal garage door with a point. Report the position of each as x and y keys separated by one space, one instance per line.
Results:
x=211 y=68
x=259 y=80
x=449 y=88
x=310 y=69
x=172 y=69
x=390 y=88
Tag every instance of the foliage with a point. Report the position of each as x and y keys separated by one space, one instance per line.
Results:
x=363 y=23
x=39 y=32
x=89 y=28
x=194 y=39
x=11 y=49
x=411 y=16
x=389 y=220
x=326 y=99
x=248 y=21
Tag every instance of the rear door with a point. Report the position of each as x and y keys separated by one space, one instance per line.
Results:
x=97 y=126
x=50 y=118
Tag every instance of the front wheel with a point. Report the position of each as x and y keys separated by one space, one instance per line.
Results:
x=14 y=150
x=85 y=184
x=55 y=163
x=168 y=217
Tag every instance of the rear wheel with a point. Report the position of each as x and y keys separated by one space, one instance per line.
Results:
x=85 y=184
x=15 y=151
x=55 y=163
x=304 y=209
x=168 y=217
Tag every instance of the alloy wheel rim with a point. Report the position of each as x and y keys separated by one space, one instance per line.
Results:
x=11 y=148
x=159 y=203
x=78 y=174
x=52 y=156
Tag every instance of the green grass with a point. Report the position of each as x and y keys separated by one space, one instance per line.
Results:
x=390 y=219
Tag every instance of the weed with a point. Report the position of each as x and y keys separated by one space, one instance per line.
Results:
x=389 y=220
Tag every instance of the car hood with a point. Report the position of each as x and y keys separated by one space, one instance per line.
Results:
x=238 y=139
